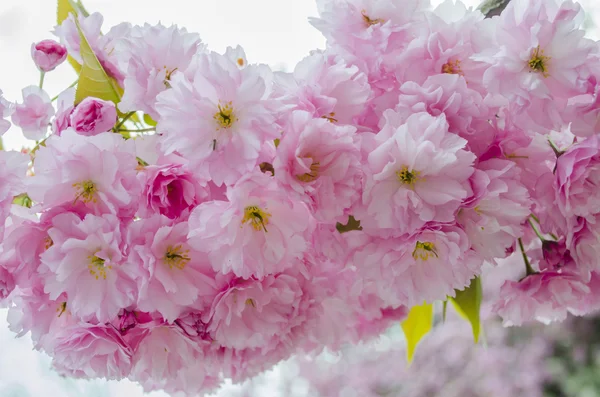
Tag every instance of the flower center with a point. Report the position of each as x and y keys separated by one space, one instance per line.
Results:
x=539 y=62
x=369 y=21
x=330 y=117
x=61 y=308
x=48 y=242
x=98 y=267
x=250 y=302
x=258 y=218
x=176 y=257
x=168 y=73
x=86 y=191
x=313 y=174
x=424 y=251
x=408 y=177
x=452 y=67
x=225 y=117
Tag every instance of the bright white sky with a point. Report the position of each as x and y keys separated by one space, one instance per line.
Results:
x=275 y=32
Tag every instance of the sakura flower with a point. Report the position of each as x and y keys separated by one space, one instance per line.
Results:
x=493 y=220
x=583 y=242
x=7 y=284
x=170 y=190
x=577 y=178
x=544 y=297
x=91 y=351
x=93 y=116
x=220 y=119
x=320 y=162
x=150 y=55
x=171 y=276
x=259 y=231
x=86 y=263
x=584 y=113
x=426 y=266
x=326 y=87
x=167 y=359
x=34 y=114
x=418 y=173
x=48 y=54
x=13 y=167
x=6 y=109
x=64 y=108
x=254 y=313
x=99 y=171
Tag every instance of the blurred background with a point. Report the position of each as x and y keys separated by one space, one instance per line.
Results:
x=545 y=361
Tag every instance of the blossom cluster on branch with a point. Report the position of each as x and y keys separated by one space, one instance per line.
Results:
x=188 y=216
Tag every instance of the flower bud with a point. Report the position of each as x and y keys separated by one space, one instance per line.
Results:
x=93 y=116
x=48 y=54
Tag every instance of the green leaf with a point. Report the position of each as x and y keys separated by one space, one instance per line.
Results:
x=468 y=304
x=93 y=80
x=66 y=7
x=149 y=120
x=416 y=326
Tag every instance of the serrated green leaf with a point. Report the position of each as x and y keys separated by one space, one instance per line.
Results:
x=468 y=304
x=64 y=8
x=93 y=80
x=149 y=120
x=416 y=326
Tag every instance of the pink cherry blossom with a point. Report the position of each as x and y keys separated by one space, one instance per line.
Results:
x=6 y=109
x=583 y=242
x=34 y=114
x=577 y=177
x=221 y=118
x=99 y=171
x=150 y=55
x=86 y=263
x=170 y=275
x=260 y=230
x=320 y=162
x=48 y=54
x=13 y=167
x=91 y=351
x=93 y=116
x=543 y=297
x=64 y=108
x=418 y=173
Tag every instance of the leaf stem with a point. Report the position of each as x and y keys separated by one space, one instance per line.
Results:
x=528 y=267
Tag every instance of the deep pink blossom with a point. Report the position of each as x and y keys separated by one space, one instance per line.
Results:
x=93 y=116
x=48 y=54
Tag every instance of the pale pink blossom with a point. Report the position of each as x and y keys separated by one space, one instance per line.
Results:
x=418 y=173
x=254 y=313
x=170 y=190
x=64 y=108
x=6 y=109
x=320 y=162
x=544 y=297
x=426 y=266
x=93 y=116
x=91 y=351
x=220 y=119
x=494 y=218
x=48 y=54
x=578 y=178
x=99 y=171
x=34 y=114
x=150 y=55
x=13 y=168
x=86 y=263
x=326 y=87
x=584 y=113
x=260 y=230
x=171 y=276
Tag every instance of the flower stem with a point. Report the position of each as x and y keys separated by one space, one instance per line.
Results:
x=72 y=85
x=140 y=130
x=123 y=120
x=528 y=267
x=42 y=75
x=537 y=232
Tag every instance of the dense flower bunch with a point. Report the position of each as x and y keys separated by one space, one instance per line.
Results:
x=217 y=217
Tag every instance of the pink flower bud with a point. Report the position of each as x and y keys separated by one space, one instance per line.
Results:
x=93 y=116
x=48 y=54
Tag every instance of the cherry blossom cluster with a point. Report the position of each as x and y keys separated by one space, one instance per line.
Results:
x=221 y=217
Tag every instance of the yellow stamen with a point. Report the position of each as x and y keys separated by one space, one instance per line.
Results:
x=61 y=308
x=225 y=116
x=313 y=174
x=539 y=62
x=240 y=62
x=258 y=218
x=168 y=73
x=48 y=242
x=250 y=302
x=408 y=177
x=369 y=21
x=176 y=257
x=331 y=117
x=424 y=251
x=452 y=67
x=98 y=267
x=86 y=191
